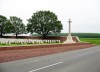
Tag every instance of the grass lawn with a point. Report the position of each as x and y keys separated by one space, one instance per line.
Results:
x=1 y=45
x=91 y=40
x=15 y=44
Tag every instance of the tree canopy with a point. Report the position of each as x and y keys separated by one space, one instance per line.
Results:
x=3 y=21
x=18 y=26
x=44 y=23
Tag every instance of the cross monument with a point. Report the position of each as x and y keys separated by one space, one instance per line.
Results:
x=69 y=37
x=69 y=27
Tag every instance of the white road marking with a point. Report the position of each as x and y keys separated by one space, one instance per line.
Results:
x=45 y=67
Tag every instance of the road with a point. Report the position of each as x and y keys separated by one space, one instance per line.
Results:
x=83 y=60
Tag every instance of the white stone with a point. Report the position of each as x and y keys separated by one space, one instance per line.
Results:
x=69 y=40
x=69 y=37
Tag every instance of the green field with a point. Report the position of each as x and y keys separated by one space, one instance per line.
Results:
x=80 y=35
x=91 y=40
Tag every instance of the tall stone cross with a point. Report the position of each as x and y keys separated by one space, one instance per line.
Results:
x=69 y=37
x=69 y=34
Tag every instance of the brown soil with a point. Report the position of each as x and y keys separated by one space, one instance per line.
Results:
x=21 y=52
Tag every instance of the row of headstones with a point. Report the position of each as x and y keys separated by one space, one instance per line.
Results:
x=26 y=41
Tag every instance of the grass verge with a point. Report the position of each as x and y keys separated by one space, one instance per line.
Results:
x=2 y=45
x=91 y=40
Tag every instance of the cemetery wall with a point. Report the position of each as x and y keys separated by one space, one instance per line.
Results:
x=61 y=38
x=46 y=46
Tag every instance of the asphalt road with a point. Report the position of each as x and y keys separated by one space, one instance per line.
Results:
x=84 y=60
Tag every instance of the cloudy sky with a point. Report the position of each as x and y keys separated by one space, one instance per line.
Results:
x=85 y=14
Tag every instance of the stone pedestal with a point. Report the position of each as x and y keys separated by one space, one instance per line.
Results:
x=69 y=40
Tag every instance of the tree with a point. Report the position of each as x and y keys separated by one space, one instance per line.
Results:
x=44 y=23
x=3 y=21
x=18 y=26
x=8 y=27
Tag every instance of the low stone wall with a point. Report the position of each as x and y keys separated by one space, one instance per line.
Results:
x=61 y=38
x=42 y=46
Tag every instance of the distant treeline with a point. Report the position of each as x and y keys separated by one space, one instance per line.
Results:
x=87 y=35
x=81 y=35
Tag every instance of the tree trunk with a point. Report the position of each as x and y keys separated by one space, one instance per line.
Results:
x=44 y=36
x=16 y=35
x=1 y=34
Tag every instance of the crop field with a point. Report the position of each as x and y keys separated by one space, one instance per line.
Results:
x=91 y=40
x=80 y=35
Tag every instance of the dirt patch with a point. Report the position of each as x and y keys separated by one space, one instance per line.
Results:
x=22 y=52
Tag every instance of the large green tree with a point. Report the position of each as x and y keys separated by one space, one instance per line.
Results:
x=3 y=21
x=8 y=27
x=18 y=26
x=44 y=23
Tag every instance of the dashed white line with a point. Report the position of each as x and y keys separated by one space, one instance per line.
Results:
x=45 y=67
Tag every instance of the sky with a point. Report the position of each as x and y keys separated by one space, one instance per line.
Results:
x=85 y=14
